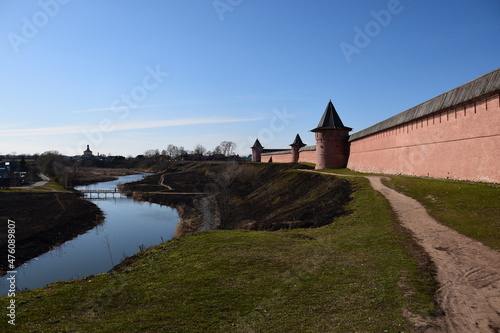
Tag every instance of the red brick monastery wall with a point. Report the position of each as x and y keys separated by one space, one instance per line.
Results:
x=460 y=142
x=308 y=156
x=279 y=158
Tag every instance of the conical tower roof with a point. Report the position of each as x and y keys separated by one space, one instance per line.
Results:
x=330 y=120
x=257 y=144
x=298 y=142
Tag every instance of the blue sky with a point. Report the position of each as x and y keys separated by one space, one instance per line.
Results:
x=127 y=76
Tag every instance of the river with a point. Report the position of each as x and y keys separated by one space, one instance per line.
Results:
x=129 y=226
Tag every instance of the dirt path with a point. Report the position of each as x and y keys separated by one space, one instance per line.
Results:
x=41 y=183
x=63 y=208
x=468 y=271
x=160 y=182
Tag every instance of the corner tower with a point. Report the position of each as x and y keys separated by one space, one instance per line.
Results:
x=332 y=146
x=257 y=149
x=296 y=145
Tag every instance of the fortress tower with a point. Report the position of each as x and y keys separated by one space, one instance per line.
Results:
x=257 y=149
x=296 y=145
x=332 y=146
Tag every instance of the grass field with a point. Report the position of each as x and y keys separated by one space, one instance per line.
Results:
x=361 y=273
x=472 y=209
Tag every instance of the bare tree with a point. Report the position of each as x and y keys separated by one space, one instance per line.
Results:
x=182 y=152
x=50 y=163
x=172 y=151
x=217 y=150
x=225 y=148
x=199 y=150
x=151 y=153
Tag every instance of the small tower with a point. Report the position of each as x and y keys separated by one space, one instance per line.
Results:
x=257 y=149
x=332 y=146
x=296 y=145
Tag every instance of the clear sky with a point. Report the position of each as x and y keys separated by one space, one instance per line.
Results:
x=126 y=76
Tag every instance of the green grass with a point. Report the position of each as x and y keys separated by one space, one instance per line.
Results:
x=472 y=209
x=53 y=186
x=358 y=274
x=50 y=186
x=349 y=172
x=345 y=171
x=312 y=165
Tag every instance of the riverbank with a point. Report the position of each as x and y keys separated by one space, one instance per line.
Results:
x=89 y=175
x=50 y=215
x=43 y=220
x=251 y=196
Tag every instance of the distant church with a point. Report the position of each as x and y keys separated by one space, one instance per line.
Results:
x=455 y=135
x=87 y=154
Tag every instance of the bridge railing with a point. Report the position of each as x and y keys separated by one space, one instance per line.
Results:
x=99 y=192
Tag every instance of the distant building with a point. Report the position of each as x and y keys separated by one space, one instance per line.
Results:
x=8 y=168
x=87 y=154
x=9 y=176
x=4 y=170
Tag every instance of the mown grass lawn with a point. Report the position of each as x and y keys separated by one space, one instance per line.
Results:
x=472 y=209
x=361 y=273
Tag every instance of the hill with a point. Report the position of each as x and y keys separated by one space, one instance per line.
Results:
x=248 y=196
x=356 y=271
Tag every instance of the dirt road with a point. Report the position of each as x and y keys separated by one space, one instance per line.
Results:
x=41 y=183
x=468 y=271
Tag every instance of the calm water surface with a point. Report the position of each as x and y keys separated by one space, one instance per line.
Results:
x=128 y=226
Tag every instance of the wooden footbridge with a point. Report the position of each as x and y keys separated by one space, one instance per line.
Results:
x=99 y=192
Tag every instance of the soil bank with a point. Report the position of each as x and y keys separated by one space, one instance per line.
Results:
x=253 y=196
x=90 y=175
x=42 y=221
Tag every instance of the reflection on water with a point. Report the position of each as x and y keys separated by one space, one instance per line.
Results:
x=128 y=227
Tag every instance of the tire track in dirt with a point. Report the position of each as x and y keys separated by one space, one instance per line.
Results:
x=468 y=271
